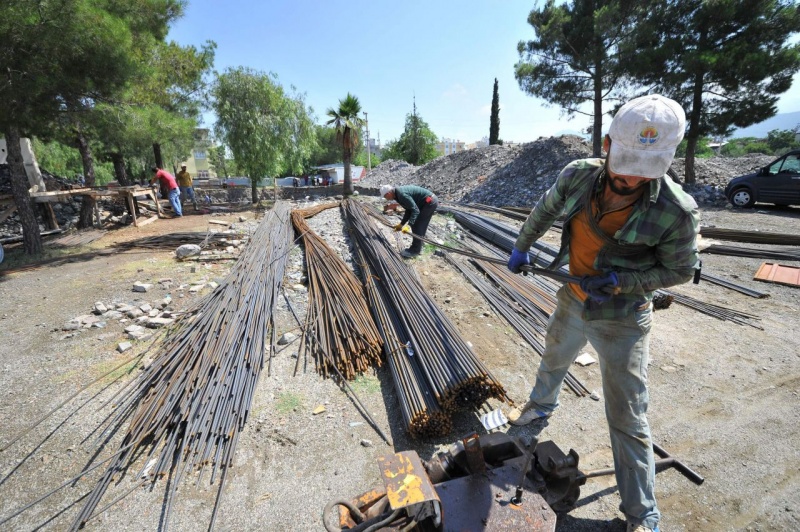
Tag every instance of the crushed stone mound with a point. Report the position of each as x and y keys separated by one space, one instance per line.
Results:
x=389 y=172
x=518 y=175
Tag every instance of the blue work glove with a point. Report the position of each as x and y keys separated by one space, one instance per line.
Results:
x=600 y=287
x=518 y=258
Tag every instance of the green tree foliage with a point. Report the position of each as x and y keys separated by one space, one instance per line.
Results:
x=576 y=56
x=328 y=149
x=223 y=163
x=417 y=143
x=360 y=158
x=347 y=123
x=162 y=106
x=65 y=162
x=726 y=61
x=782 y=140
x=268 y=131
x=59 y=57
x=743 y=146
x=778 y=142
x=703 y=150
x=494 y=120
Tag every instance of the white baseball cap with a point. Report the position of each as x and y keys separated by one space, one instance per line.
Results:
x=385 y=189
x=644 y=135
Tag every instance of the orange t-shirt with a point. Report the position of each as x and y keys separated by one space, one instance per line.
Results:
x=584 y=244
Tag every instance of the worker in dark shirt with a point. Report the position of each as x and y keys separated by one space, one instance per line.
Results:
x=420 y=204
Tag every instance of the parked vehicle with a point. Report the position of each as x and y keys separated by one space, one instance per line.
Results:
x=778 y=183
x=230 y=182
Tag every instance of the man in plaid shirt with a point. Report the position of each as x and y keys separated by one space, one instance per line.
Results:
x=629 y=230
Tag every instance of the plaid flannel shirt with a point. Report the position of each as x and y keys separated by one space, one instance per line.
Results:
x=412 y=198
x=655 y=248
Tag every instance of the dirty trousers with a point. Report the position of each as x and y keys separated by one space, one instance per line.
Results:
x=420 y=226
x=623 y=349
x=175 y=201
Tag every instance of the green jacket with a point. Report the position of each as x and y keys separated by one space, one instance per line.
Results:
x=656 y=248
x=412 y=198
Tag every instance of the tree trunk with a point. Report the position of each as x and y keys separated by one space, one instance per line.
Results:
x=253 y=190
x=119 y=169
x=597 y=124
x=157 y=155
x=347 y=156
x=31 y=237
x=87 y=208
x=691 y=147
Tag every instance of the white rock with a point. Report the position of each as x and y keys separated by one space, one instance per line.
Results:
x=585 y=359
x=287 y=338
x=187 y=250
x=124 y=346
x=155 y=323
x=141 y=287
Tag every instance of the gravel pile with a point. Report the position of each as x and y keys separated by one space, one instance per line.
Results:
x=518 y=175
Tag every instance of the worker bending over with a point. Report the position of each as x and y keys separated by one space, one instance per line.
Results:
x=419 y=204
x=166 y=179
x=629 y=230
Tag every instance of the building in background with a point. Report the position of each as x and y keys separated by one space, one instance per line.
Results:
x=199 y=165
x=375 y=147
x=450 y=146
x=484 y=142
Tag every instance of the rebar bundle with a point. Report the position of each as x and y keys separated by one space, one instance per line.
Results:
x=754 y=253
x=173 y=240
x=434 y=370
x=752 y=237
x=189 y=406
x=525 y=305
x=339 y=328
x=504 y=236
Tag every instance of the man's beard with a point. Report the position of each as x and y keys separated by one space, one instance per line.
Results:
x=623 y=190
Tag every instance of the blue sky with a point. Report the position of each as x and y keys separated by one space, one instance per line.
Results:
x=445 y=54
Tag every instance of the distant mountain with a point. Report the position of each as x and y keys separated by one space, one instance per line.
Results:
x=779 y=121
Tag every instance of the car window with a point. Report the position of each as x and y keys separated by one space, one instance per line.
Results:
x=791 y=165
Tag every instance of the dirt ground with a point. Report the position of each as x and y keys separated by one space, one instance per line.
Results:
x=724 y=397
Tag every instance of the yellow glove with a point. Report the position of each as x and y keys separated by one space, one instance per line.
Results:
x=398 y=227
x=406 y=229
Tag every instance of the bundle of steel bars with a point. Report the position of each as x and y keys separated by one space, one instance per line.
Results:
x=754 y=253
x=189 y=406
x=525 y=304
x=434 y=370
x=173 y=240
x=542 y=254
x=339 y=329
x=752 y=237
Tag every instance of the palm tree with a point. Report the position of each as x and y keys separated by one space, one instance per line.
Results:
x=347 y=124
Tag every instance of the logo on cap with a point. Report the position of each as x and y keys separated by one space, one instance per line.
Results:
x=648 y=136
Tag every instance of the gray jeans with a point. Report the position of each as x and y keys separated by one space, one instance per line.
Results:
x=623 y=348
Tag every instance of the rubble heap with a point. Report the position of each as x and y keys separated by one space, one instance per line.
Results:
x=518 y=175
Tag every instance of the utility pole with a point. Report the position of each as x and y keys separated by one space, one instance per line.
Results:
x=369 y=162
